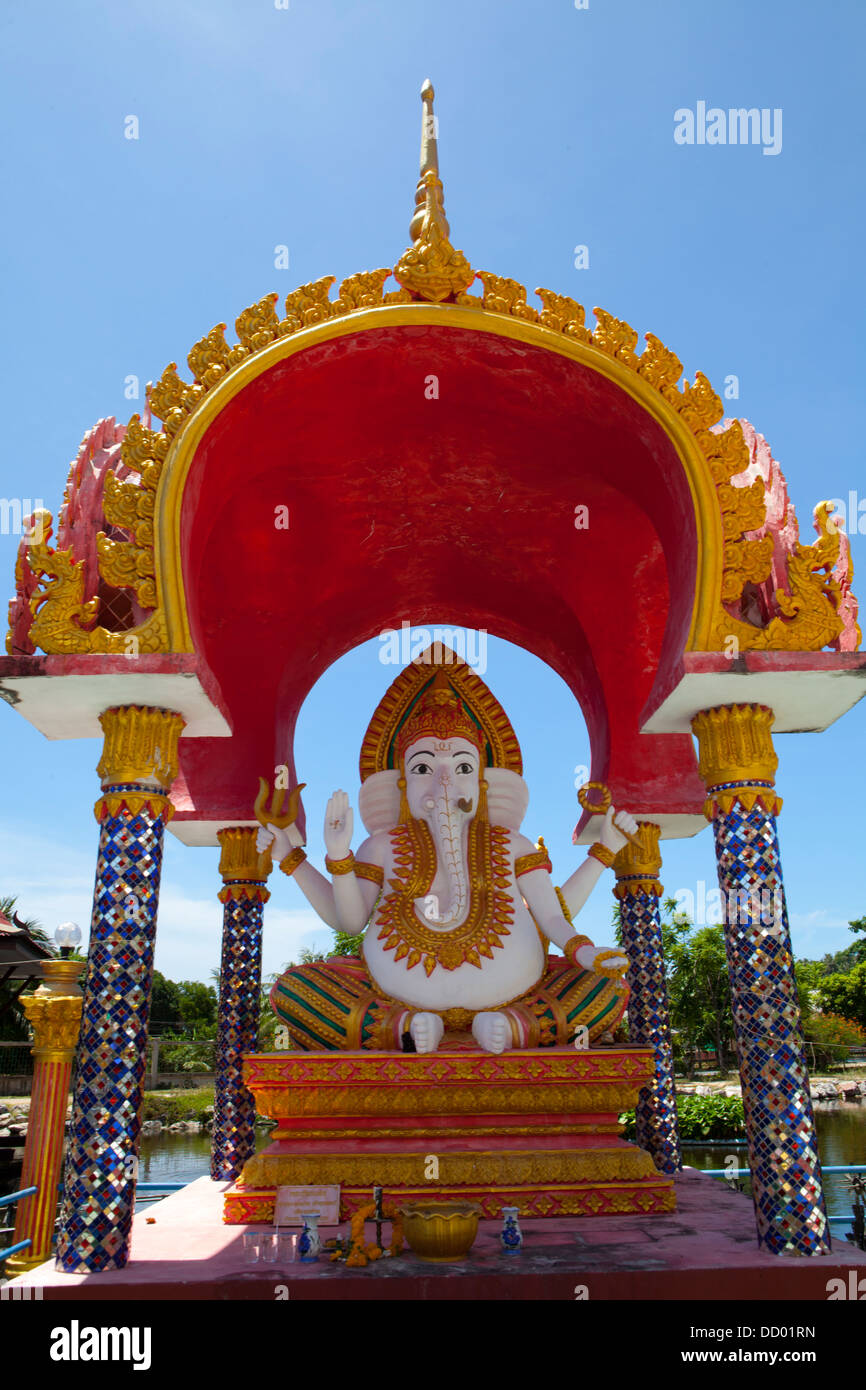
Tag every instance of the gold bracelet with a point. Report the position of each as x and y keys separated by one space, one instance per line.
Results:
x=572 y=946
x=292 y=860
x=601 y=852
x=340 y=866
x=613 y=972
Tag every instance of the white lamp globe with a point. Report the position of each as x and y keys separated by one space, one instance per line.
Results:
x=67 y=935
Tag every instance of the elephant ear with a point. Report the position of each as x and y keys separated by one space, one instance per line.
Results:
x=379 y=802
x=507 y=797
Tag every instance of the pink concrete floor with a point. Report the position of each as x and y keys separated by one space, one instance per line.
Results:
x=705 y=1250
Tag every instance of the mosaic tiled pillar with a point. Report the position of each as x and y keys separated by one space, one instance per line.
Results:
x=638 y=890
x=54 y=1014
x=738 y=765
x=243 y=897
x=138 y=765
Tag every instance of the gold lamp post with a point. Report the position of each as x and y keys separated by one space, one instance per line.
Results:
x=54 y=1013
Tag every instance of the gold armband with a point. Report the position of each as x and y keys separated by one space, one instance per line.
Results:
x=292 y=860
x=371 y=871
x=571 y=948
x=601 y=852
x=340 y=866
x=539 y=859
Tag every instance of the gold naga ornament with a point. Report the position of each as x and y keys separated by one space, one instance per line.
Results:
x=816 y=579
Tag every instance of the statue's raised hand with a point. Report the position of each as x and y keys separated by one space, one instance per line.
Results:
x=616 y=828
x=338 y=826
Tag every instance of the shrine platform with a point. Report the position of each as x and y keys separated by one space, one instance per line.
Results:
x=706 y=1250
x=536 y=1128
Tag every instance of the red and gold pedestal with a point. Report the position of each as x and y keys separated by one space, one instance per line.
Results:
x=538 y=1130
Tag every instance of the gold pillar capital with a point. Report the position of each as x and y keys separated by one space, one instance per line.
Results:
x=639 y=864
x=242 y=868
x=735 y=745
x=60 y=977
x=140 y=746
x=56 y=1022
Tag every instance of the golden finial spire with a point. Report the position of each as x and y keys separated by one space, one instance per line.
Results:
x=429 y=162
x=431 y=269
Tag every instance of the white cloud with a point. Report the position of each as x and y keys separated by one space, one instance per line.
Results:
x=189 y=935
x=54 y=883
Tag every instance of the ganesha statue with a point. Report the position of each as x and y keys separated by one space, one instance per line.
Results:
x=456 y=906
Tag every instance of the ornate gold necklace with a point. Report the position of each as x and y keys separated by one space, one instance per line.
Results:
x=491 y=910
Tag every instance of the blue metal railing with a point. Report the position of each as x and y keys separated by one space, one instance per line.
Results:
x=13 y=1197
x=13 y=1249
x=8 y=1201
x=828 y=1168
x=746 y=1172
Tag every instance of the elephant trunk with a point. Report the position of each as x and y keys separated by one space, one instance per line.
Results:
x=447 y=819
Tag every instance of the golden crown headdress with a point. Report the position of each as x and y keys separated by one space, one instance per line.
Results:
x=440 y=713
x=442 y=686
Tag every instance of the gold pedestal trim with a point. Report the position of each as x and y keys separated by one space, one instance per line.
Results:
x=537 y=1167
x=651 y=1197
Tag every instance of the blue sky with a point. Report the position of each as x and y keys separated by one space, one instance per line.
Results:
x=261 y=126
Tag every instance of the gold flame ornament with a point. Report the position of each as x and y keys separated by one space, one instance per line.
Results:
x=276 y=815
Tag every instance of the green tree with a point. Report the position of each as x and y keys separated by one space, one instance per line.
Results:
x=268 y=1021
x=809 y=974
x=841 y=962
x=164 y=1004
x=699 y=991
x=343 y=945
x=845 y=994
x=699 y=988
x=198 y=1007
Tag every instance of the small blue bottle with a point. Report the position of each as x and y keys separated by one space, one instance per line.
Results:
x=511 y=1235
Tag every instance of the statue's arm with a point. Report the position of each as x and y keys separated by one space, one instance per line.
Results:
x=539 y=893
x=577 y=889
x=318 y=892
x=344 y=902
x=541 y=897
x=355 y=897
x=314 y=886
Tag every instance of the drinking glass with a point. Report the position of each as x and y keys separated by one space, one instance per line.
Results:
x=288 y=1246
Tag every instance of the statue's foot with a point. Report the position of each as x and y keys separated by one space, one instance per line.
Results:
x=426 y=1030
x=492 y=1032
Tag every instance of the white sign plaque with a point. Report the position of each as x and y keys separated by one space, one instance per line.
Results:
x=292 y=1201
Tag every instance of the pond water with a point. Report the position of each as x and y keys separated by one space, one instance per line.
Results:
x=841 y=1139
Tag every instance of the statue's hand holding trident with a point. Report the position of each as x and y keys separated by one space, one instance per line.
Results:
x=279 y=833
x=342 y=902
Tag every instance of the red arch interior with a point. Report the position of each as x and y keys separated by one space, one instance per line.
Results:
x=431 y=471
